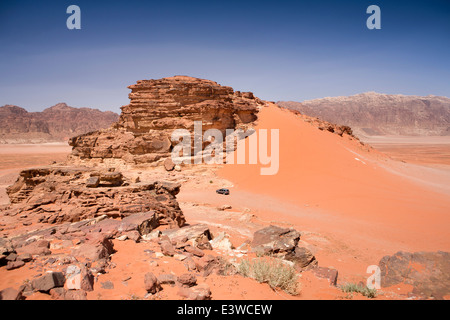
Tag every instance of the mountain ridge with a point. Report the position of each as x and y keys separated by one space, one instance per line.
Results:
x=54 y=124
x=372 y=113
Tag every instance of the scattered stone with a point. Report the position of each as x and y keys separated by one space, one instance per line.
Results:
x=222 y=242
x=11 y=257
x=167 y=279
x=79 y=278
x=167 y=248
x=155 y=234
x=151 y=283
x=179 y=257
x=190 y=264
x=37 y=248
x=187 y=279
x=122 y=237
x=327 y=273
x=11 y=265
x=11 y=294
x=169 y=165
x=208 y=264
x=195 y=251
x=197 y=233
x=107 y=285
x=204 y=244
x=302 y=258
x=143 y=222
x=224 y=207
x=63 y=294
x=99 y=247
x=200 y=292
x=133 y=235
x=93 y=182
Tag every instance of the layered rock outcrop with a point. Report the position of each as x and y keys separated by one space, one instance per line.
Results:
x=157 y=108
x=56 y=195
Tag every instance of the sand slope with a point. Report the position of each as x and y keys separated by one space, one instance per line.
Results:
x=341 y=188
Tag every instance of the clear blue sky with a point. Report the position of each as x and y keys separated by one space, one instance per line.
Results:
x=280 y=50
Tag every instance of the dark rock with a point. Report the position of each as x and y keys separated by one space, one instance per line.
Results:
x=49 y=281
x=11 y=265
x=327 y=273
x=427 y=272
x=25 y=257
x=93 y=182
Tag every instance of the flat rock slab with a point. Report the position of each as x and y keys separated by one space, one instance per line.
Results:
x=274 y=239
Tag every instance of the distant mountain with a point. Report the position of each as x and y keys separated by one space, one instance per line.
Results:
x=374 y=113
x=54 y=124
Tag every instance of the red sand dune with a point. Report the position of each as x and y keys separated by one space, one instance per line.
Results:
x=373 y=211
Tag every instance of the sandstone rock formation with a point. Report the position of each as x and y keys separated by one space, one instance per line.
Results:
x=381 y=114
x=157 y=108
x=60 y=194
x=54 y=124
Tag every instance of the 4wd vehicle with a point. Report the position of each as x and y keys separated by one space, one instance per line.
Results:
x=223 y=191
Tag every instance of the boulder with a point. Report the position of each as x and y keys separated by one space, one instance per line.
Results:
x=274 y=240
x=49 y=281
x=93 y=182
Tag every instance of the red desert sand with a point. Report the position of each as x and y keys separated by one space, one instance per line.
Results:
x=347 y=192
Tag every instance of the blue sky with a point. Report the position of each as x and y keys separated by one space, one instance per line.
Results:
x=280 y=50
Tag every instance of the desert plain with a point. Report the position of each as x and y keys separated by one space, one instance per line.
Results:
x=352 y=202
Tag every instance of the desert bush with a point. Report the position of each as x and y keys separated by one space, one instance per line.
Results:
x=365 y=291
x=271 y=271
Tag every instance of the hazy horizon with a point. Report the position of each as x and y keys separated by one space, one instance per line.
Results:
x=281 y=51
